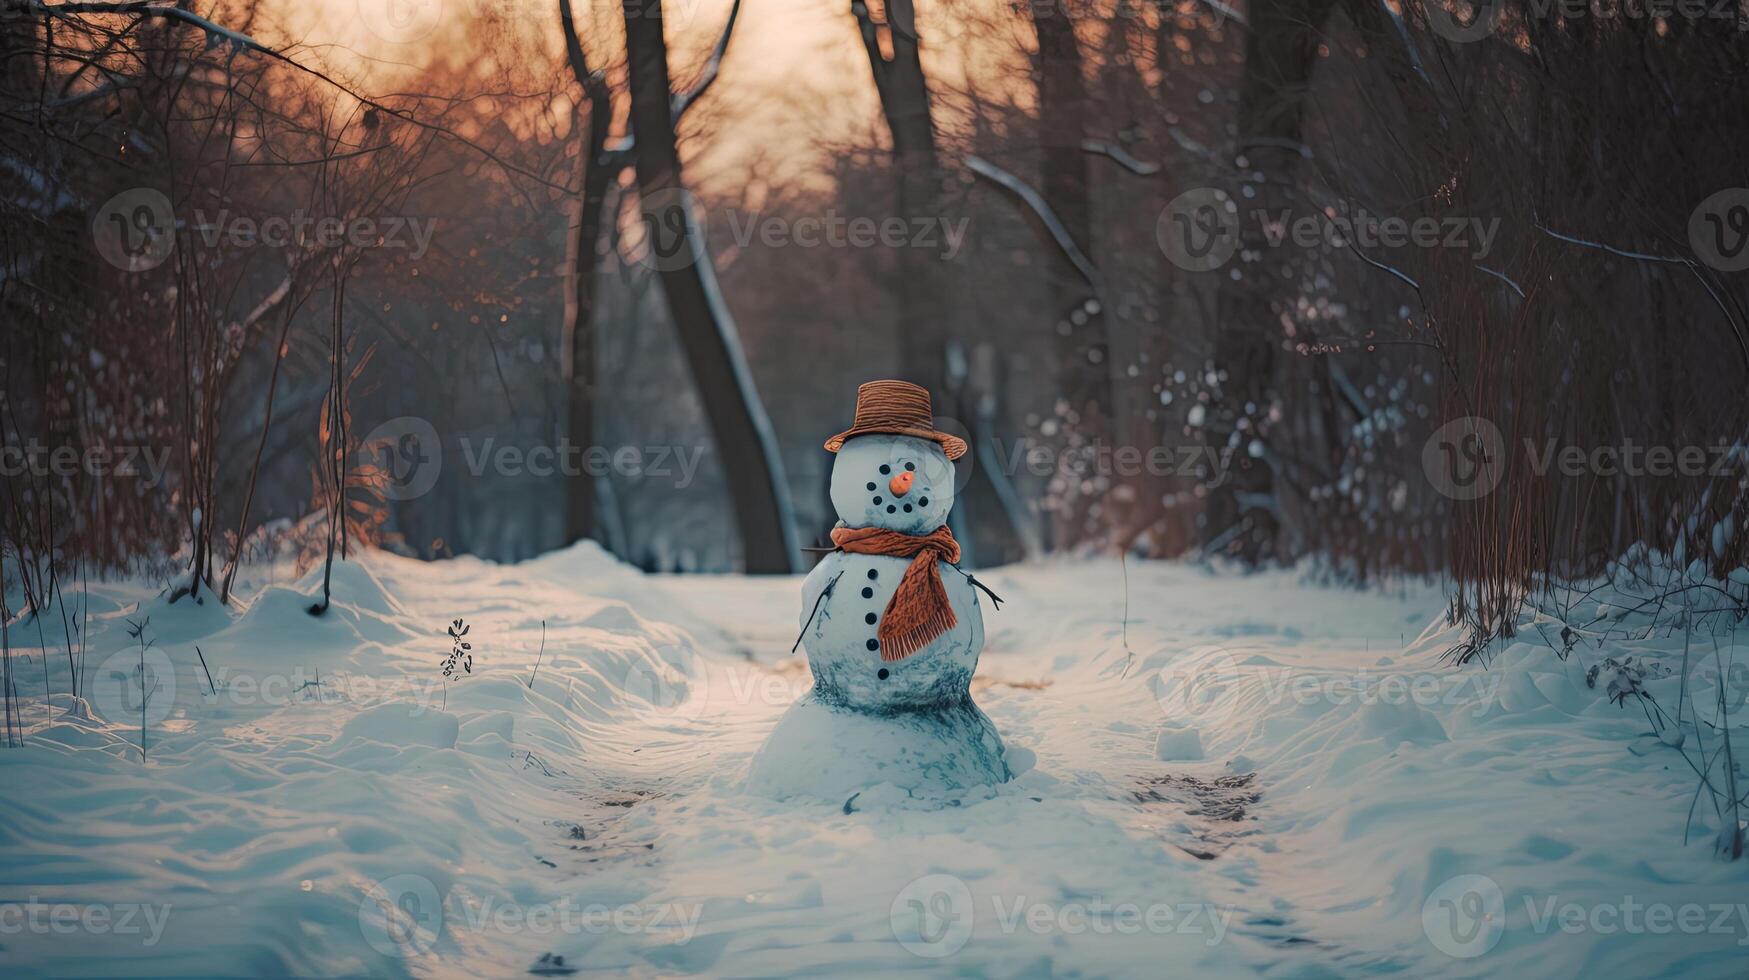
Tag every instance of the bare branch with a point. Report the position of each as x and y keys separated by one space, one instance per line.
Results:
x=1611 y=249
x=1503 y=278
x=1414 y=53
x=1047 y=217
x=1693 y=268
x=684 y=100
x=1189 y=145
x=1227 y=12
x=238 y=42
x=1121 y=156
x=592 y=81
x=869 y=30
x=138 y=8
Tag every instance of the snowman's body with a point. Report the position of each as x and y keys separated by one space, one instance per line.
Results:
x=910 y=723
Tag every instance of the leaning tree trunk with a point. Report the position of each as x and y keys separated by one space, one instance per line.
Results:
x=1280 y=53
x=582 y=251
x=743 y=432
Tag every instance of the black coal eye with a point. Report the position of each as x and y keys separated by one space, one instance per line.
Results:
x=871 y=486
x=886 y=469
x=910 y=466
x=923 y=501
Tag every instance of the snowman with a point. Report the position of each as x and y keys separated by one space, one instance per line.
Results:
x=891 y=625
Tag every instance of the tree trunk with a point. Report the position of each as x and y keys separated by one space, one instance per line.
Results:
x=582 y=251
x=1063 y=107
x=1280 y=52
x=904 y=97
x=743 y=433
x=922 y=275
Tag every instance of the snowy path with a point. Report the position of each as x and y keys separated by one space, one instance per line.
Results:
x=383 y=822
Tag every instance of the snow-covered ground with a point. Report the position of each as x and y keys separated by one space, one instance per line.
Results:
x=1250 y=775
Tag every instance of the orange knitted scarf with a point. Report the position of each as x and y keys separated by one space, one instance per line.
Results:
x=919 y=611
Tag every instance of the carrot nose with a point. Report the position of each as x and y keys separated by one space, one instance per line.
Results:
x=901 y=484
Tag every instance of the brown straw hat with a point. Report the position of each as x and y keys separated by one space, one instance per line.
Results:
x=897 y=408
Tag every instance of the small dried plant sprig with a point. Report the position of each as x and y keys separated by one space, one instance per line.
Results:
x=460 y=655
x=460 y=651
x=137 y=632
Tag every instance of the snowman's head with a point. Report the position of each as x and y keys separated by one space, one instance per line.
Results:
x=900 y=483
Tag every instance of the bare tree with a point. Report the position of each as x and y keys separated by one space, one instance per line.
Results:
x=928 y=355
x=904 y=98
x=743 y=432
x=601 y=166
